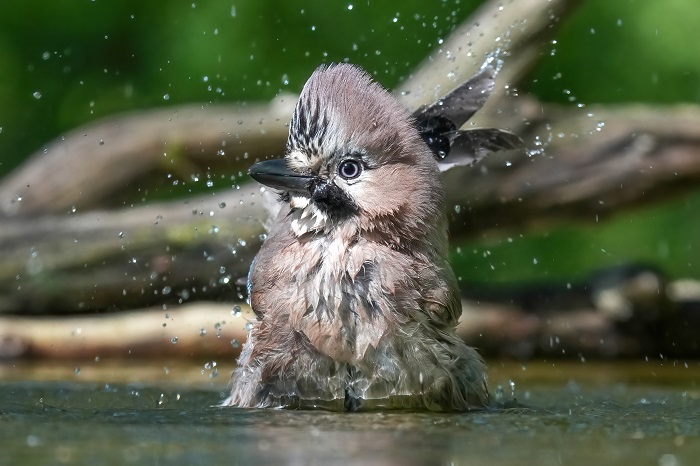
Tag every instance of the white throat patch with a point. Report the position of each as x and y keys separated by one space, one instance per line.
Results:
x=306 y=216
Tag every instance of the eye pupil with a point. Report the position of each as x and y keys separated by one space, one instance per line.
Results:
x=349 y=169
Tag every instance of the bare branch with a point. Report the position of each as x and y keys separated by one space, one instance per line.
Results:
x=93 y=162
x=596 y=162
x=203 y=329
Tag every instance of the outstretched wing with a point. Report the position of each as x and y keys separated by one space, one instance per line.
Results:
x=438 y=124
x=463 y=102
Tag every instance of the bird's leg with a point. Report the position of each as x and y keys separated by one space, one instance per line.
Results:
x=352 y=402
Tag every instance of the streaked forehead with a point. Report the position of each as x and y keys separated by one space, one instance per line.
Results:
x=341 y=109
x=332 y=106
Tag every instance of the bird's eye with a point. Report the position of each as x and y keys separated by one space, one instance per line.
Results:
x=349 y=169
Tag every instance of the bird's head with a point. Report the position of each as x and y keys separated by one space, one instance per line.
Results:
x=355 y=157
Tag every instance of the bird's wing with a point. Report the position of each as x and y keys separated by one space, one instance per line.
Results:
x=470 y=146
x=463 y=102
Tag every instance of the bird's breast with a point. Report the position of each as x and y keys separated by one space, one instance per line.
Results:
x=341 y=308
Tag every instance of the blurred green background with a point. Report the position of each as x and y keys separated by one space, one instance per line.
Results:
x=64 y=63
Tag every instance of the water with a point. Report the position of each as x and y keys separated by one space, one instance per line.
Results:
x=644 y=413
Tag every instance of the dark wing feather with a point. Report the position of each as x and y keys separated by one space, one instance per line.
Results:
x=463 y=102
x=469 y=146
x=439 y=123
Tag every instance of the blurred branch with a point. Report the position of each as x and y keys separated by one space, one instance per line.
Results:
x=86 y=166
x=587 y=165
x=202 y=329
x=500 y=330
x=106 y=260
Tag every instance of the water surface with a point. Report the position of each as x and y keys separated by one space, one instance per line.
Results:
x=137 y=413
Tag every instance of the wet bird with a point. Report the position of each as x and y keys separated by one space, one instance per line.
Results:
x=355 y=300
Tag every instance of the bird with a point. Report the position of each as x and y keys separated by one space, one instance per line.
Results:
x=355 y=301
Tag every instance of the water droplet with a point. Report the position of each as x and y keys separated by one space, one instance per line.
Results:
x=77 y=371
x=222 y=205
x=202 y=332
x=166 y=97
x=37 y=95
x=498 y=393
x=33 y=440
x=234 y=343
x=173 y=340
x=236 y=311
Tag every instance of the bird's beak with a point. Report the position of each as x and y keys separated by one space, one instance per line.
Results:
x=275 y=174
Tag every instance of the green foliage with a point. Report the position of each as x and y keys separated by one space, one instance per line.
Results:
x=622 y=51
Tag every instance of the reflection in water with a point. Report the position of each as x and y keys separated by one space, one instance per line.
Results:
x=566 y=423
